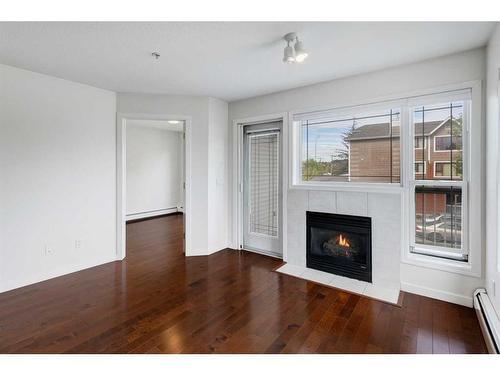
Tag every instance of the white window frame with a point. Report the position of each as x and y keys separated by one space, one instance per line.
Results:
x=428 y=250
x=472 y=231
x=295 y=144
x=445 y=136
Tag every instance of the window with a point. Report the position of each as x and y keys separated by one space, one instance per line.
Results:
x=420 y=168
x=447 y=143
x=419 y=142
x=352 y=146
x=438 y=213
x=362 y=145
x=446 y=169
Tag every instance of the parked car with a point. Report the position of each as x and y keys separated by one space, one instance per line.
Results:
x=440 y=232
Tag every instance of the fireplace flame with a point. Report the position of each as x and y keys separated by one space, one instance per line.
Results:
x=342 y=241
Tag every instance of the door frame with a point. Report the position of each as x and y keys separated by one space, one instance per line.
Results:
x=121 y=176
x=238 y=170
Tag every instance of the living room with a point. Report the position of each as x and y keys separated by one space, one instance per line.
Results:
x=261 y=187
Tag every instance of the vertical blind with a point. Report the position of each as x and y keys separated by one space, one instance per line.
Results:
x=264 y=183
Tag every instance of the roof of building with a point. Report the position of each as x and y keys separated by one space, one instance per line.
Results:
x=374 y=131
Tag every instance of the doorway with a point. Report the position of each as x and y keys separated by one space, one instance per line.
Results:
x=153 y=172
x=262 y=188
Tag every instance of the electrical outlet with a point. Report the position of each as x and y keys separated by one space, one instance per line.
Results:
x=49 y=250
x=78 y=244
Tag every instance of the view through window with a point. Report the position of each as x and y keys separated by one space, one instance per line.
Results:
x=438 y=189
x=359 y=148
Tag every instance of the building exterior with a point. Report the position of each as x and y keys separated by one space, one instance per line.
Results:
x=374 y=152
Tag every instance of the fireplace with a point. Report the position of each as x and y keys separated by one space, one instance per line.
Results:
x=340 y=244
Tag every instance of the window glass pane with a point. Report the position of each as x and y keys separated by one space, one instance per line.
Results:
x=419 y=169
x=438 y=219
x=361 y=148
x=419 y=142
x=438 y=140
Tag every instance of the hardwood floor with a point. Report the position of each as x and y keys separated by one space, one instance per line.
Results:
x=158 y=301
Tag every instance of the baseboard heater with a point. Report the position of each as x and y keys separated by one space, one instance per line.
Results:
x=488 y=320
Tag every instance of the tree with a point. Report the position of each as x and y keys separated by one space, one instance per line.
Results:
x=456 y=131
x=344 y=152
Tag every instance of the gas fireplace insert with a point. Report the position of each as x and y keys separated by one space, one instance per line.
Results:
x=340 y=244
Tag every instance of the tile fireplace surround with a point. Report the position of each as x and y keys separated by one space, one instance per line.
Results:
x=385 y=211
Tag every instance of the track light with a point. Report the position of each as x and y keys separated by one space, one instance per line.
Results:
x=289 y=54
x=296 y=53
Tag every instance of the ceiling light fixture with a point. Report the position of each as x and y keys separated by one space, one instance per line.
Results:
x=294 y=54
x=173 y=122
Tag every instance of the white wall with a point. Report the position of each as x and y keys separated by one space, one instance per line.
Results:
x=208 y=116
x=57 y=168
x=154 y=171
x=467 y=66
x=218 y=176
x=492 y=159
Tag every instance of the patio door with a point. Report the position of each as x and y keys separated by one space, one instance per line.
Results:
x=262 y=188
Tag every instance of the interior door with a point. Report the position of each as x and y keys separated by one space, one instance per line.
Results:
x=262 y=188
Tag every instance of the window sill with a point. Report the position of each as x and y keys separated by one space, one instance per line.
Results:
x=350 y=186
x=441 y=264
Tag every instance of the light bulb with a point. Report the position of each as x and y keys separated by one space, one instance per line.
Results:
x=300 y=52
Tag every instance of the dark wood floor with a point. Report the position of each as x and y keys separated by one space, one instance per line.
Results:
x=158 y=301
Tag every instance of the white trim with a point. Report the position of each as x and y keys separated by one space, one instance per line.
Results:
x=121 y=196
x=437 y=294
x=237 y=183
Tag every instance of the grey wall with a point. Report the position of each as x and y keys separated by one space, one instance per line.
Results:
x=154 y=170
x=492 y=158
x=58 y=177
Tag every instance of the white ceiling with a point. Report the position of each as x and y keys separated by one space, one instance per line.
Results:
x=226 y=60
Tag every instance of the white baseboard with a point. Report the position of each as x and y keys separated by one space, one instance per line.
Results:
x=24 y=281
x=437 y=294
x=144 y=215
